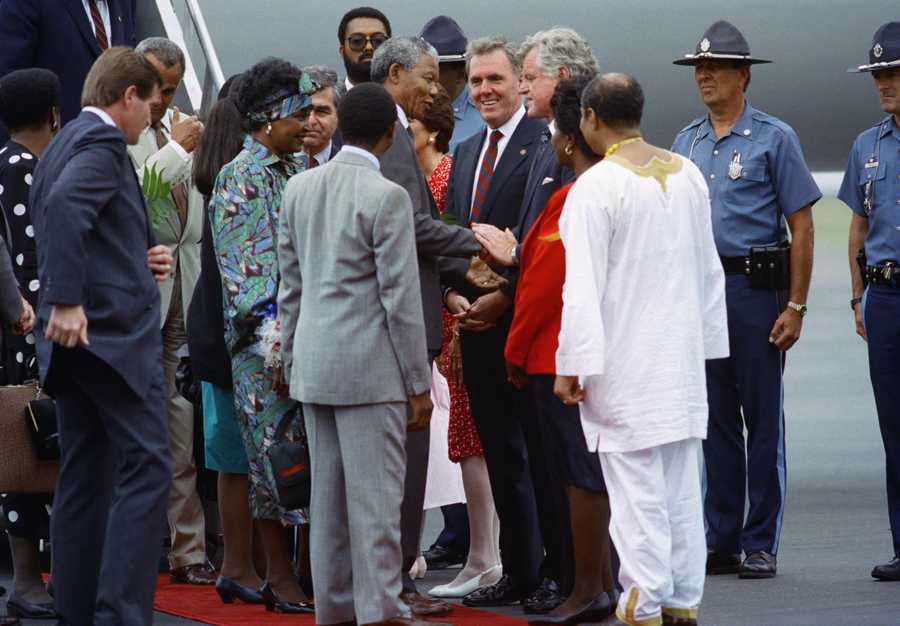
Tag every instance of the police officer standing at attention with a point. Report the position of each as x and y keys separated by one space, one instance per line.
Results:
x=757 y=179
x=871 y=189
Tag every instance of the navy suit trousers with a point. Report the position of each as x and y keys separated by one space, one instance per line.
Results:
x=881 y=314
x=109 y=510
x=746 y=390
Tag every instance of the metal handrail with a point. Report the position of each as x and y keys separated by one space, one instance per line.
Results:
x=209 y=50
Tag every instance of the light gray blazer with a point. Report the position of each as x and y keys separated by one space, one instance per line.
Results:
x=352 y=328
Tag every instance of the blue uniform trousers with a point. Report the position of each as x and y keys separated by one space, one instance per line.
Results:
x=745 y=390
x=881 y=315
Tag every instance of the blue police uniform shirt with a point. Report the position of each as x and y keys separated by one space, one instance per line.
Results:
x=750 y=172
x=467 y=121
x=870 y=188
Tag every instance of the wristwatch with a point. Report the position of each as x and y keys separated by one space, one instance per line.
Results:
x=800 y=308
x=514 y=254
x=854 y=302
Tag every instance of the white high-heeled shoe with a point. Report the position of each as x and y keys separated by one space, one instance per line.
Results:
x=419 y=568
x=464 y=588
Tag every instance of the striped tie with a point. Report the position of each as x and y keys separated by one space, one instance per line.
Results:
x=99 y=28
x=484 y=176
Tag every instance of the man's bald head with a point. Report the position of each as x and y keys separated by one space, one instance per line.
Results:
x=616 y=99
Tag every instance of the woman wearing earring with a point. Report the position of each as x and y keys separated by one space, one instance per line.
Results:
x=531 y=359
x=29 y=108
x=274 y=99
x=431 y=137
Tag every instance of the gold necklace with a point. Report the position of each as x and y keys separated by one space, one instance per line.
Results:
x=611 y=150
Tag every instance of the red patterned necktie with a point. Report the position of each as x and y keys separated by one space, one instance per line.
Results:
x=99 y=28
x=485 y=174
x=313 y=162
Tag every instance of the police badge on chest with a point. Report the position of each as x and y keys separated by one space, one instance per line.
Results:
x=735 y=169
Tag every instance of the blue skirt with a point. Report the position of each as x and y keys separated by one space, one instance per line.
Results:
x=222 y=440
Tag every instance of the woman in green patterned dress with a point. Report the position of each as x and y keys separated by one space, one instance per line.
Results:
x=274 y=99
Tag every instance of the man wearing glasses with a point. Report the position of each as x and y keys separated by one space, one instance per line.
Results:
x=360 y=33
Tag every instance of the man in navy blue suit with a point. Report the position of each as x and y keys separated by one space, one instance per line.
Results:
x=100 y=352
x=64 y=36
x=486 y=185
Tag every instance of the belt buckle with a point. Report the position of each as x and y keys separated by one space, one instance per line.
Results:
x=887 y=272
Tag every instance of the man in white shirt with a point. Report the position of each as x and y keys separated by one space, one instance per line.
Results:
x=319 y=141
x=643 y=308
x=166 y=149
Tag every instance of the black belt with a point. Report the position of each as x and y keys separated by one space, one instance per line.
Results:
x=887 y=274
x=736 y=264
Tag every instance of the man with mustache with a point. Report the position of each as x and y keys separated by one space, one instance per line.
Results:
x=758 y=179
x=360 y=33
x=870 y=190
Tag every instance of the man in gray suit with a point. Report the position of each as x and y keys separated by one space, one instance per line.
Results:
x=408 y=69
x=354 y=350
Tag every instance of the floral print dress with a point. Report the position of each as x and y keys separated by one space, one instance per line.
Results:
x=243 y=213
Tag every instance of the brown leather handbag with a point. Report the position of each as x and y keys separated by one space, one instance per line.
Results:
x=20 y=469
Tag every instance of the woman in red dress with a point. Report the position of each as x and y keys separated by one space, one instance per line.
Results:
x=531 y=359
x=431 y=136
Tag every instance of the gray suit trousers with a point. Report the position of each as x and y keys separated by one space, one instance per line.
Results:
x=358 y=469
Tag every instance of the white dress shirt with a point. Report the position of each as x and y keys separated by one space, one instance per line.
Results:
x=104 y=14
x=324 y=155
x=643 y=302
x=103 y=115
x=361 y=152
x=507 y=129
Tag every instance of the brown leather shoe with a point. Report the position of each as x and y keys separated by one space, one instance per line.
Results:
x=196 y=574
x=420 y=605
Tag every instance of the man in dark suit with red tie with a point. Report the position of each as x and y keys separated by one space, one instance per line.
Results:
x=100 y=352
x=487 y=184
x=64 y=36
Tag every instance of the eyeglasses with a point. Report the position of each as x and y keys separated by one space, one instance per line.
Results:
x=358 y=42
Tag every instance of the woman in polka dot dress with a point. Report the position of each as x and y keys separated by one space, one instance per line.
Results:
x=29 y=109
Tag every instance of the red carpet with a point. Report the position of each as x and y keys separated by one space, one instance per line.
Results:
x=202 y=604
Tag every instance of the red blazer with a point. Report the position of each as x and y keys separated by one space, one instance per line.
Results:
x=534 y=334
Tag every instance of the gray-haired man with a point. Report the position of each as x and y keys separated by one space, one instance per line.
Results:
x=321 y=141
x=408 y=69
x=166 y=147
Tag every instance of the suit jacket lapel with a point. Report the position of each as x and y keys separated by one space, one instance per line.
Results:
x=535 y=180
x=468 y=164
x=76 y=12
x=515 y=152
x=116 y=24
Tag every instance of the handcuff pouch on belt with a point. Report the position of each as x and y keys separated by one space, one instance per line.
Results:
x=861 y=264
x=770 y=266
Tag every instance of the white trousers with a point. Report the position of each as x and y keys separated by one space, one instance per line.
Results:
x=657 y=527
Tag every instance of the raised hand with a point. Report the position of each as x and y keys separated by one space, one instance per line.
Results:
x=186 y=130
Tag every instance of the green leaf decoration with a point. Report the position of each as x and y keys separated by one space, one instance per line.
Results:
x=158 y=194
x=449 y=219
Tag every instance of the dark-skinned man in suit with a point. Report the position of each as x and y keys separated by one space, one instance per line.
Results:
x=100 y=352
x=487 y=184
x=64 y=36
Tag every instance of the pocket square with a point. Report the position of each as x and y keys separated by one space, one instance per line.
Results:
x=547 y=180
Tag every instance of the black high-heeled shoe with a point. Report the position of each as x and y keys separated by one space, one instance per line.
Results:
x=599 y=609
x=228 y=590
x=17 y=607
x=276 y=604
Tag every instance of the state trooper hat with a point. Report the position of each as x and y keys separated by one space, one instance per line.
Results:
x=722 y=40
x=884 y=53
x=447 y=37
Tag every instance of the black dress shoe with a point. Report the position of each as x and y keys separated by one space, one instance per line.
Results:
x=441 y=557
x=276 y=604
x=600 y=608
x=543 y=599
x=228 y=590
x=504 y=593
x=17 y=607
x=758 y=565
x=888 y=571
x=718 y=563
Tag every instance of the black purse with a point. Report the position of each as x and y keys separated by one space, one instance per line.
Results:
x=40 y=419
x=291 y=467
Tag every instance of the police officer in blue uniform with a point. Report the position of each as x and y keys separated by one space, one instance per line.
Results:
x=872 y=190
x=758 y=180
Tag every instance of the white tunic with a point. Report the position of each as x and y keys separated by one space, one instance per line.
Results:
x=643 y=302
